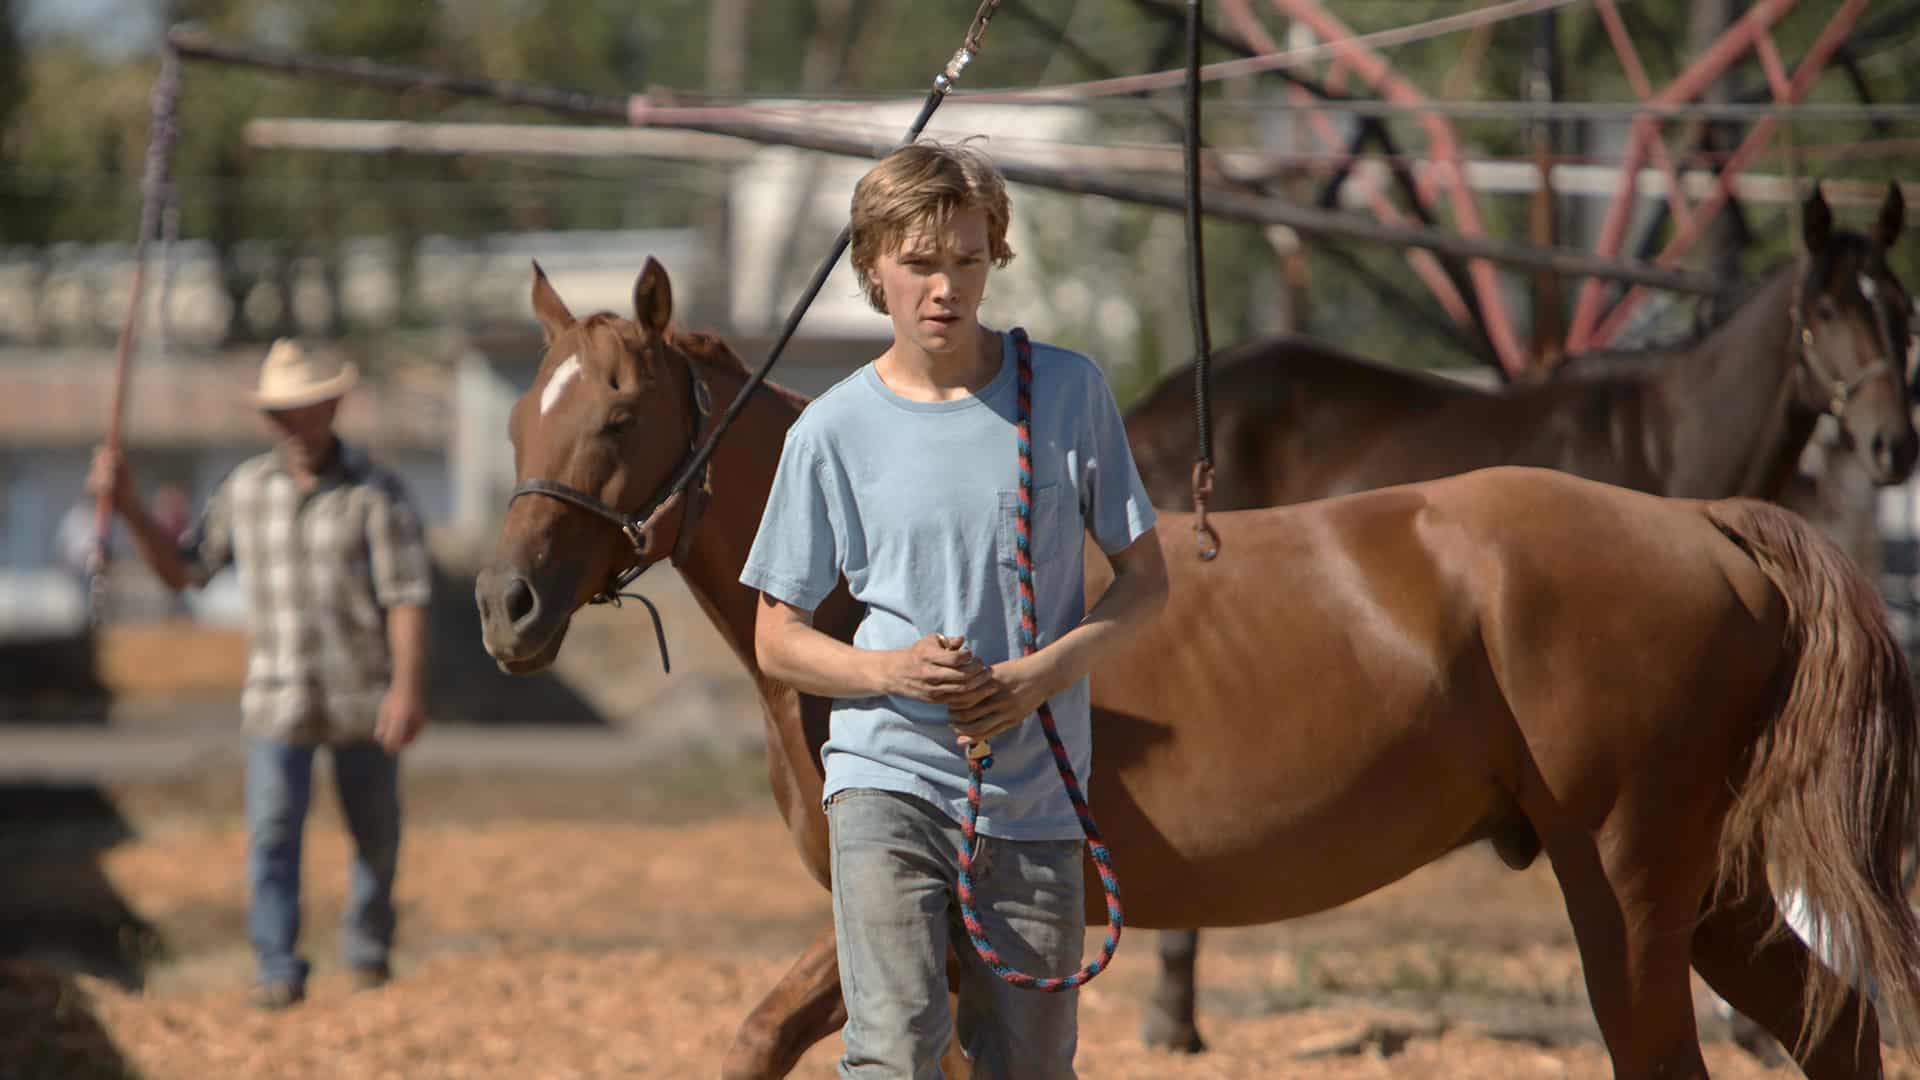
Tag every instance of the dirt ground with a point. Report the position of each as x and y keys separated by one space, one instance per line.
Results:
x=567 y=926
x=620 y=918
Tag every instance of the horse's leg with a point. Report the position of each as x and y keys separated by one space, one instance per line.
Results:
x=954 y=1063
x=801 y=1009
x=1170 y=1022
x=1633 y=912
x=1765 y=982
x=804 y=1007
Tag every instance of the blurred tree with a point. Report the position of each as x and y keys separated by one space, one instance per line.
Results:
x=13 y=87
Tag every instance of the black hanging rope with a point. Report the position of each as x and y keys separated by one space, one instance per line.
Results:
x=1209 y=542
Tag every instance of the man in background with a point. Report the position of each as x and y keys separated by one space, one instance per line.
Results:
x=334 y=569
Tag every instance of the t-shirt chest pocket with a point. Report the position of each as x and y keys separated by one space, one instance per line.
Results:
x=1056 y=520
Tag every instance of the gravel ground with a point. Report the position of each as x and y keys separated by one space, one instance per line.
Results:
x=574 y=926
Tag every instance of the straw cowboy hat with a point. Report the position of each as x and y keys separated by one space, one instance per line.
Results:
x=291 y=377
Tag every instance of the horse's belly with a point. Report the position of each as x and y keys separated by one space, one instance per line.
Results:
x=1311 y=832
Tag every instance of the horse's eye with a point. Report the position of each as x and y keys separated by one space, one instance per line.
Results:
x=1825 y=309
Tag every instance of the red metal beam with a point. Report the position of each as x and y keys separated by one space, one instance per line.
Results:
x=1690 y=83
x=1424 y=264
x=1643 y=89
x=1445 y=151
x=1785 y=93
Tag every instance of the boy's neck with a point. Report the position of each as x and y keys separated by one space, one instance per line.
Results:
x=914 y=373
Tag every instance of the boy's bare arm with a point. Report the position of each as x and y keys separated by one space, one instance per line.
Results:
x=1020 y=685
x=791 y=649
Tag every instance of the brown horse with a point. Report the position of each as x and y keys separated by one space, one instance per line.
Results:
x=1670 y=698
x=1730 y=415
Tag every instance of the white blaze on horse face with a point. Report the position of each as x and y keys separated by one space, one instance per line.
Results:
x=1868 y=289
x=568 y=370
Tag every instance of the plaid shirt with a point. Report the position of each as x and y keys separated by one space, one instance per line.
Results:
x=319 y=570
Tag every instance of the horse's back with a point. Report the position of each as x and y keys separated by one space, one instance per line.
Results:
x=1293 y=418
x=1574 y=535
x=1501 y=623
x=1628 y=633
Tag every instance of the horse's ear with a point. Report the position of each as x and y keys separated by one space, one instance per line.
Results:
x=1893 y=215
x=547 y=306
x=1816 y=221
x=653 y=298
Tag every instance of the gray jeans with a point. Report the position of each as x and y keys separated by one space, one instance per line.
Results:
x=896 y=864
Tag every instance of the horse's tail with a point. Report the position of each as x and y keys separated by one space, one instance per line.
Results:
x=1829 y=799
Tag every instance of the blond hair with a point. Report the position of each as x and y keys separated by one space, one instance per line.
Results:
x=920 y=187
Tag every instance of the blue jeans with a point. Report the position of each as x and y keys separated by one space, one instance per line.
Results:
x=279 y=787
x=896 y=864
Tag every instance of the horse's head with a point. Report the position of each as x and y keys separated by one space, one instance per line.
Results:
x=1850 y=318
x=598 y=439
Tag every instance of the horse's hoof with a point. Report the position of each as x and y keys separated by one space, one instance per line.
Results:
x=1160 y=1033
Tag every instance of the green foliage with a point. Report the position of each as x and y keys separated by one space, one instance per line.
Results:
x=12 y=84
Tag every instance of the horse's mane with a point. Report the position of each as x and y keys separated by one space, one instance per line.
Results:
x=703 y=347
x=1267 y=366
x=1842 y=243
x=713 y=351
x=1646 y=357
x=708 y=347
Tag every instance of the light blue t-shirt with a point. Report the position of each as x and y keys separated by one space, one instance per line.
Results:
x=914 y=503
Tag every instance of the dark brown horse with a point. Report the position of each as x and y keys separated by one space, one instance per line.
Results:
x=1727 y=415
x=1669 y=697
x=1730 y=415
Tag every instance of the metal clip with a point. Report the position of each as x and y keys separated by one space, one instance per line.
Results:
x=961 y=58
x=1208 y=540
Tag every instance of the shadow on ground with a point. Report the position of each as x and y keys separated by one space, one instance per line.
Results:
x=83 y=677
x=50 y=678
x=469 y=688
x=61 y=917
x=63 y=912
x=47 y=1029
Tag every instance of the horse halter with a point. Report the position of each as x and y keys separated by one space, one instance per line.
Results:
x=639 y=526
x=1840 y=391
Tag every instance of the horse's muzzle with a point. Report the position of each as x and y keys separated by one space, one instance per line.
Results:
x=521 y=629
x=1892 y=459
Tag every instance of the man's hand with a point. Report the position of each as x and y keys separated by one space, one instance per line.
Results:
x=1014 y=691
x=936 y=669
x=110 y=476
x=403 y=713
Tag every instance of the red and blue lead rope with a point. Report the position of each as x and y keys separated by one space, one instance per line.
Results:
x=977 y=764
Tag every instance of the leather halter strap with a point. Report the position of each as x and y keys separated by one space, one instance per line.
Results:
x=1839 y=391
x=640 y=526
